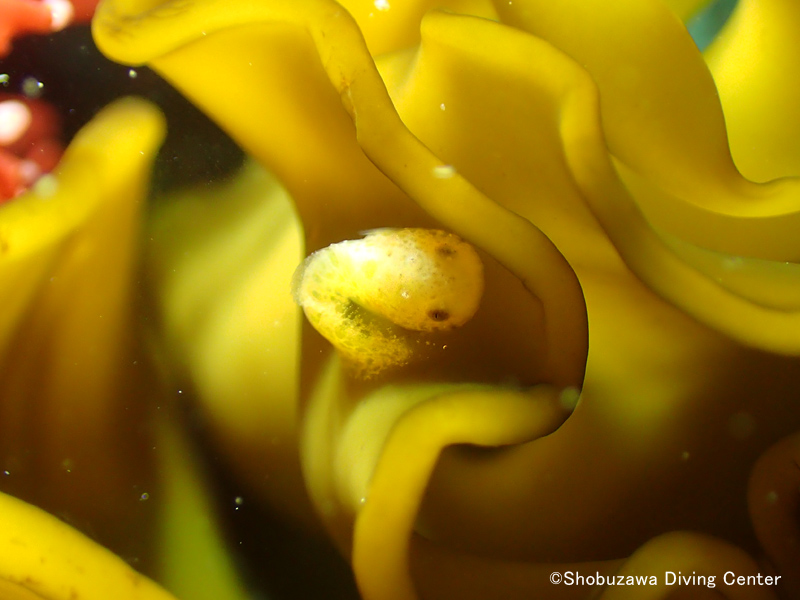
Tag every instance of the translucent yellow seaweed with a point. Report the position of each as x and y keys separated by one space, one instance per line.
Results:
x=637 y=419
x=350 y=81
x=72 y=386
x=44 y=559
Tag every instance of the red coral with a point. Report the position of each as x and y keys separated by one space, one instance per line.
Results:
x=18 y=17
x=29 y=143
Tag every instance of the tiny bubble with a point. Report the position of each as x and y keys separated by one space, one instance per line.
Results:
x=144 y=497
x=238 y=500
x=4 y=79
x=7 y=472
x=442 y=106
x=32 y=87
x=132 y=73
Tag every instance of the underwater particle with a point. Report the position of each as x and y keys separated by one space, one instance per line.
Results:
x=144 y=496
x=371 y=298
x=568 y=398
x=32 y=87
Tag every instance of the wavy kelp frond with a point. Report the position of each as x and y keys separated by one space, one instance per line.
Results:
x=511 y=98
x=220 y=264
x=194 y=558
x=634 y=439
x=752 y=60
x=706 y=558
x=765 y=296
x=42 y=558
x=385 y=524
x=660 y=178
x=390 y=26
x=773 y=499
x=368 y=465
x=686 y=9
x=343 y=182
x=662 y=118
x=338 y=192
x=70 y=382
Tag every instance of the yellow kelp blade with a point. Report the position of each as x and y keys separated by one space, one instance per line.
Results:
x=661 y=117
x=220 y=263
x=103 y=173
x=341 y=100
x=255 y=48
x=707 y=559
x=392 y=26
x=73 y=394
x=686 y=9
x=752 y=302
x=752 y=60
x=194 y=560
x=384 y=526
x=42 y=558
x=368 y=464
x=773 y=496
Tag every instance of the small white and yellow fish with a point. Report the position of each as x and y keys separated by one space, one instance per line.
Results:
x=374 y=298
